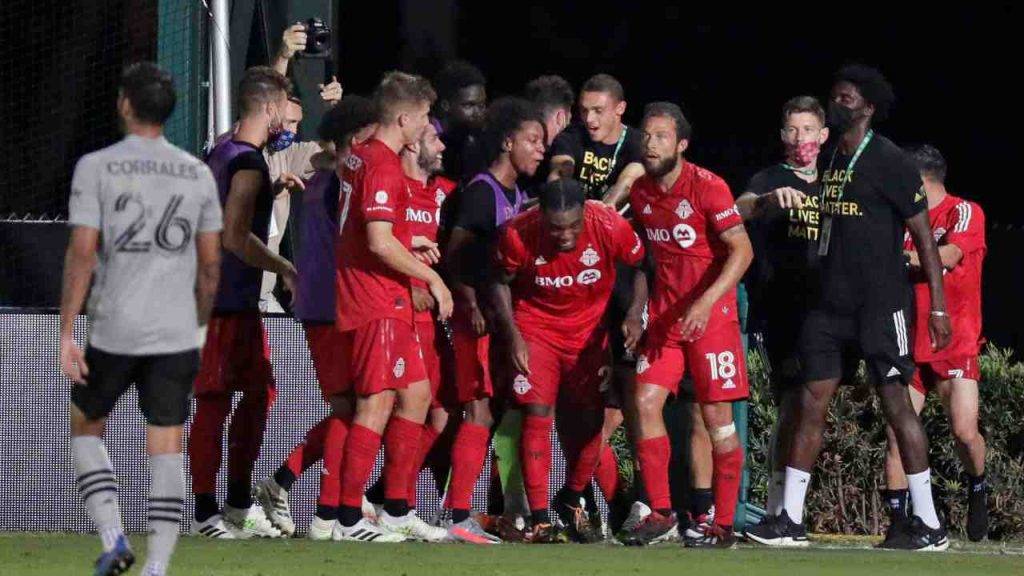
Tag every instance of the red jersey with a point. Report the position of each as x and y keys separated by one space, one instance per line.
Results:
x=961 y=223
x=373 y=188
x=423 y=215
x=682 y=226
x=565 y=293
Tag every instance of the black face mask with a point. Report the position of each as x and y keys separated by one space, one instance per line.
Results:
x=840 y=118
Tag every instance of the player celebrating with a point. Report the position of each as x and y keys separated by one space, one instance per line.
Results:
x=344 y=126
x=513 y=143
x=557 y=269
x=236 y=357
x=380 y=353
x=959 y=228
x=145 y=217
x=700 y=251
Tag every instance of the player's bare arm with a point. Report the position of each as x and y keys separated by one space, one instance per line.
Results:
x=751 y=206
x=207 y=274
x=79 y=261
x=949 y=254
x=939 y=326
x=632 y=326
x=382 y=243
x=238 y=237
x=501 y=299
x=464 y=292
x=618 y=192
x=740 y=255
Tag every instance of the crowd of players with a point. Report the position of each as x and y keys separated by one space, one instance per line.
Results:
x=461 y=263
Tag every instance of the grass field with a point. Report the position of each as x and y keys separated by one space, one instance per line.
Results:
x=51 y=554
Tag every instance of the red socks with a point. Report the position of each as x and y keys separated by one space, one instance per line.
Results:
x=361 y=449
x=427 y=439
x=535 y=458
x=468 y=455
x=401 y=447
x=584 y=463
x=607 y=473
x=204 y=441
x=728 y=472
x=311 y=449
x=334 y=432
x=653 y=455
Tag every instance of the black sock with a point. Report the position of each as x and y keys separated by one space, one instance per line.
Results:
x=376 y=492
x=898 y=502
x=977 y=483
x=326 y=512
x=664 y=511
x=459 y=515
x=701 y=500
x=284 y=477
x=239 y=494
x=589 y=501
x=206 y=506
x=349 y=515
x=540 y=517
x=396 y=508
x=570 y=497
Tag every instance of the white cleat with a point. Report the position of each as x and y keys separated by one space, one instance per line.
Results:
x=251 y=521
x=321 y=530
x=274 y=501
x=412 y=527
x=365 y=531
x=370 y=510
x=637 y=513
x=213 y=527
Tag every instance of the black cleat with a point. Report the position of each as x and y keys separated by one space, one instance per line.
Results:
x=713 y=536
x=652 y=529
x=779 y=531
x=977 y=513
x=117 y=561
x=578 y=523
x=921 y=538
x=897 y=533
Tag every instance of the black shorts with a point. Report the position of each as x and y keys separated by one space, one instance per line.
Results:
x=163 y=381
x=623 y=361
x=828 y=340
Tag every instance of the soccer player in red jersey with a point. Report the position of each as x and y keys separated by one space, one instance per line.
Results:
x=556 y=271
x=380 y=352
x=513 y=145
x=958 y=226
x=700 y=251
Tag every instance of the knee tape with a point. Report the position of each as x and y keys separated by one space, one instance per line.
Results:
x=720 y=434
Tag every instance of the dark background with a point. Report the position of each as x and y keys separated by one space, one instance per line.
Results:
x=731 y=69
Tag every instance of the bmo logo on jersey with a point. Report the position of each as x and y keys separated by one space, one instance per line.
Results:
x=684 y=235
x=554 y=282
x=588 y=277
x=418 y=216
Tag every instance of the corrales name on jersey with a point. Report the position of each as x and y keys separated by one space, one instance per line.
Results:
x=152 y=167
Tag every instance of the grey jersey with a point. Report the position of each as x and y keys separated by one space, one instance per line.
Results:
x=148 y=199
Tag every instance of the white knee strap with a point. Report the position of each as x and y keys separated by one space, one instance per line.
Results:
x=719 y=434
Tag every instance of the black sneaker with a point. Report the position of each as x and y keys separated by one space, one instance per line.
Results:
x=897 y=533
x=714 y=536
x=652 y=529
x=117 y=561
x=779 y=531
x=921 y=538
x=977 y=513
x=578 y=523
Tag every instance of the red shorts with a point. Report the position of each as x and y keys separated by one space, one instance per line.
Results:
x=928 y=374
x=573 y=378
x=236 y=357
x=436 y=361
x=715 y=362
x=380 y=355
x=324 y=341
x=472 y=366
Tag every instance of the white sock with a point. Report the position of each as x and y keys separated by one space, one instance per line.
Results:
x=794 y=493
x=97 y=487
x=921 y=496
x=166 y=499
x=775 y=486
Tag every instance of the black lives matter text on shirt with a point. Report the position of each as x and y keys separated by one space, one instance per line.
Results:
x=869 y=207
x=596 y=165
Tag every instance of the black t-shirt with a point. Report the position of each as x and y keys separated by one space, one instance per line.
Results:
x=462 y=155
x=254 y=160
x=864 y=266
x=596 y=164
x=785 y=241
x=474 y=210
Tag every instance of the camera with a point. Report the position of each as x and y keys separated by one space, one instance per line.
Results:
x=318 y=39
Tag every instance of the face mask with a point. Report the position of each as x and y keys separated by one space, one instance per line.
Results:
x=280 y=139
x=840 y=118
x=802 y=154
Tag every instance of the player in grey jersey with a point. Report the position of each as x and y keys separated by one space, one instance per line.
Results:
x=146 y=227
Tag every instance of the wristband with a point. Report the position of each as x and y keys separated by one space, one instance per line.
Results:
x=938 y=313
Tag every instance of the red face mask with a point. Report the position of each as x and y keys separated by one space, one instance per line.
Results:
x=802 y=154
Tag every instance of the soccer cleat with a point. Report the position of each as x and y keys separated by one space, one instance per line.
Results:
x=249 y=522
x=714 y=536
x=637 y=512
x=618 y=512
x=117 y=561
x=545 y=534
x=699 y=525
x=977 y=513
x=442 y=518
x=469 y=530
x=510 y=528
x=213 y=527
x=578 y=523
x=365 y=531
x=274 y=501
x=896 y=534
x=920 y=538
x=412 y=527
x=320 y=530
x=652 y=529
x=370 y=510
x=780 y=531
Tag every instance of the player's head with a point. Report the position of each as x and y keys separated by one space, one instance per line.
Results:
x=514 y=128
x=348 y=123
x=860 y=94
x=930 y=163
x=561 y=205
x=429 y=151
x=403 y=102
x=803 y=130
x=602 y=104
x=553 y=96
x=666 y=134
x=145 y=95
x=462 y=95
x=263 y=97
